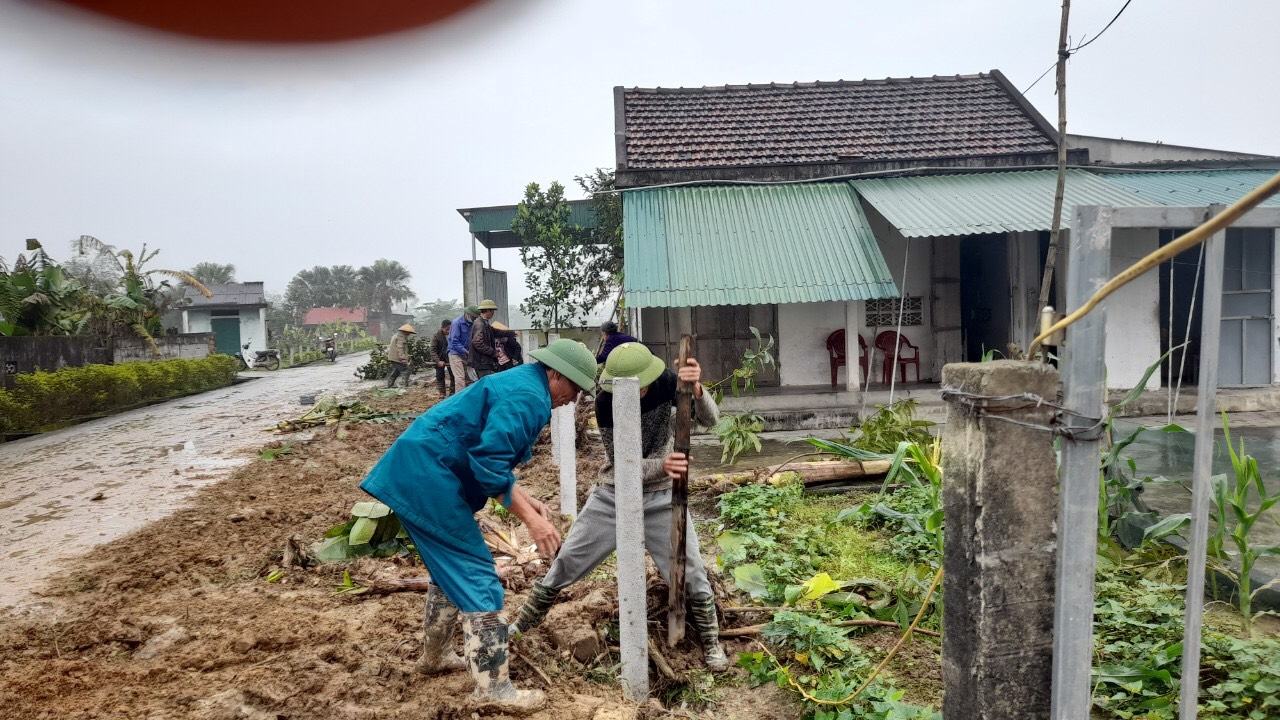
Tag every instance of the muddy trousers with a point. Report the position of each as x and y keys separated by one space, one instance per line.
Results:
x=398 y=369
x=443 y=372
x=594 y=536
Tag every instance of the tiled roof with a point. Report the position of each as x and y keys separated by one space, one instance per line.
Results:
x=247 y=293
x=320 y=316
x=823 y=122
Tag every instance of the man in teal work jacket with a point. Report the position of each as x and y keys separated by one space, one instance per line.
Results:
x=441 y=471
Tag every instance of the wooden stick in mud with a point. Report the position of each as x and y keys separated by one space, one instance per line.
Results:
x=680 y=501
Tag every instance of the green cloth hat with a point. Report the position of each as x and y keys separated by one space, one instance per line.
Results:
x=472 y=310
x=571 y=359
x=487 y=304
x=631 y=360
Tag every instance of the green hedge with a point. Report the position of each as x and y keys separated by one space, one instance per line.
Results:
x=46 y=398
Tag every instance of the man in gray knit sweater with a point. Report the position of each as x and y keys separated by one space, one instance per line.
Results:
x=592 y=537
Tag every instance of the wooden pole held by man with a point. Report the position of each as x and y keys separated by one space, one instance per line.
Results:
x=680 y=501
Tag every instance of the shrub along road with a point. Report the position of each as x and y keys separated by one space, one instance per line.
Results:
x=66 y=491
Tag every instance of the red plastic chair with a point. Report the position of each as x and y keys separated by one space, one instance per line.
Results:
x=836 y=352
x=894 y=355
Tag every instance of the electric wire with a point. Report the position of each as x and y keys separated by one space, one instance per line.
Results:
x=1081 y=46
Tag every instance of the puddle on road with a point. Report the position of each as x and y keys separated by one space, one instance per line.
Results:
x=6 y=504
x=40 y=517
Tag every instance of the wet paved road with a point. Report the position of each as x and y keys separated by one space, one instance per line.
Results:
x=145 y=463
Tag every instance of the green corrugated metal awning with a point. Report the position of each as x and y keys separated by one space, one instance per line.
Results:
x=978 y=203
x=749 y=244
x=1192 y=189
x=492 y=225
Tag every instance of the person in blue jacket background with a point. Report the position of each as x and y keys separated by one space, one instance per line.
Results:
x=442 y=470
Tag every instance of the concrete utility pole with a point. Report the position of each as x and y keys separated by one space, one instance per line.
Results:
x=633 y=628
x=564 y=451
x=1000 y=502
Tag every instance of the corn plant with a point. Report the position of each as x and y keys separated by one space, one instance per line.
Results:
x=1231 y=502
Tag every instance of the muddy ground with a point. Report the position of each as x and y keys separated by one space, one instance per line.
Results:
x=178 y=619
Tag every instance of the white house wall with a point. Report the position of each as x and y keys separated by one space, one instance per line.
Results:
x=1133 y=323
x=252 y=327
x=918 y=256
x=802 y=343
x=198 y=321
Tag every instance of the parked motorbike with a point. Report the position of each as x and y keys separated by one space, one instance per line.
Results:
x=269 y=359
x=331 y=349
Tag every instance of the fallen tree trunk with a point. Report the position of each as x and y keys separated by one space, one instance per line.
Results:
x=755 y=629
x=810 y=472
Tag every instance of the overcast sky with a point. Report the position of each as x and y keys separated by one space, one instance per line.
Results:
x=279 y=158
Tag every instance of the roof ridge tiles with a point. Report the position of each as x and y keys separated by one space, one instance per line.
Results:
x=815 y=83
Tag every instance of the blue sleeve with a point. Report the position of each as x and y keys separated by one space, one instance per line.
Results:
x=455 y=338
x=513 y=423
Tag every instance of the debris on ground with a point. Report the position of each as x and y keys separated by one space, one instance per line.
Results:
x=330 y=411
x=236 y=618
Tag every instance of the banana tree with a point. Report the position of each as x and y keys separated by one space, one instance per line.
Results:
x=137 y=300
x=37 y=297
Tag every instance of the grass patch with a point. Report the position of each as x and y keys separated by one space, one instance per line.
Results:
x=854 y=552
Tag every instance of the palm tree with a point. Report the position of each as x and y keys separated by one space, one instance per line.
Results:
x=137 y=301
x=211 y=273
x=383 y=284
x=336 y=286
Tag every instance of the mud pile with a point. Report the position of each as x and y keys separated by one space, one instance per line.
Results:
x=180 y=620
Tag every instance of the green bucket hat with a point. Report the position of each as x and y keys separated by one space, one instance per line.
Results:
x=631 y=360
x=473 y=311
x=571 y=359
x=487 y=304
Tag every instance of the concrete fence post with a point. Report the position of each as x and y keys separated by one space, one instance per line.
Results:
x=564 y=436
x=1000 y=501
x=629 y=499
x=555 y=436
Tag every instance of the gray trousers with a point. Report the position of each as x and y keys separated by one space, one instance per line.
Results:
x=593 y=536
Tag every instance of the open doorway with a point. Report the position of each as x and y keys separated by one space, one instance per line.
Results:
x=984 y=294
x=1246 y=342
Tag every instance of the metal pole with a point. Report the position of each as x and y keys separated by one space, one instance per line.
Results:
x=633 y=627
x=1084 y=392
x=475 y=277
x=1210 y=329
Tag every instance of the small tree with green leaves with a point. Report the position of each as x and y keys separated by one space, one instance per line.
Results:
x=552 y=255
x=602 y=256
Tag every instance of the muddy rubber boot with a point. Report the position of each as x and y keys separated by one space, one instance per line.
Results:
x=534 y=610
x=703 y=617
x=439 y=621
x=485 y=644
